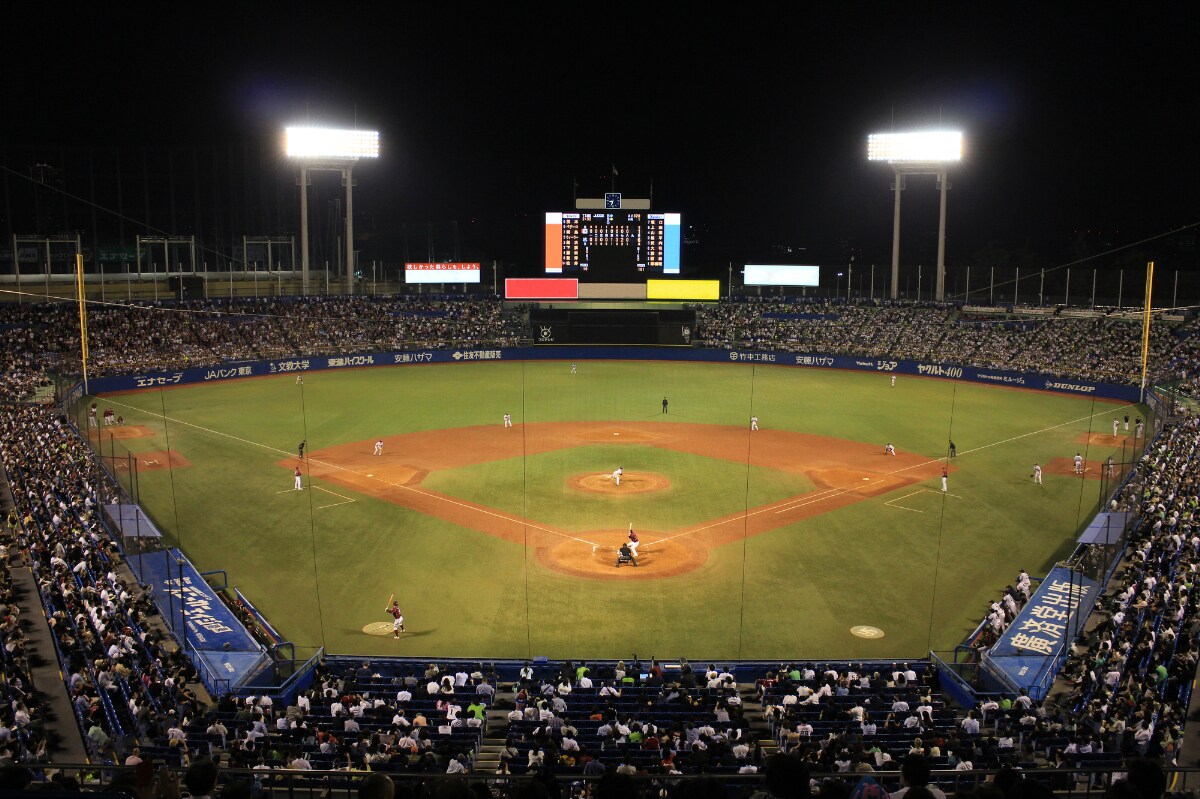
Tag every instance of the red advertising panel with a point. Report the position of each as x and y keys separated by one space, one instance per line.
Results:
x=541 y=288
x=554 y=240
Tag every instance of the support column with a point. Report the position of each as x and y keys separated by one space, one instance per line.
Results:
x=896 y=238
x=303 y=229
x=348 y=173
x=940 y=290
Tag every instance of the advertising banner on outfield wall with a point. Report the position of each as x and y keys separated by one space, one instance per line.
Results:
x=299 y=366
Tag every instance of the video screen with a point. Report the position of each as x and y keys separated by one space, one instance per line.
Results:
x=612 y=245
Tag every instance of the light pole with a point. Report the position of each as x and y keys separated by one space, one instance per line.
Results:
x=329 y=150
x=922 y=153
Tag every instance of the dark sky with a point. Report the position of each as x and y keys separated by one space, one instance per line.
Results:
x=751 y=123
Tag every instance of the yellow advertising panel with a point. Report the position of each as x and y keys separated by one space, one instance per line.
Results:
x=683 y=290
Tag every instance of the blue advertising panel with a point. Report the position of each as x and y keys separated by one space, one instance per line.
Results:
x=1033 y=644
x=212 y=632
x=236 y=370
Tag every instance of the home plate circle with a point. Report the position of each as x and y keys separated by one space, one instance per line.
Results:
x=866 y=631
x=378 y=628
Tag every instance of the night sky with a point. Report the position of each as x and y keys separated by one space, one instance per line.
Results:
x=750 y=124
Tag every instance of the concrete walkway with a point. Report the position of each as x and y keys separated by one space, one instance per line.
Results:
x=64 y=739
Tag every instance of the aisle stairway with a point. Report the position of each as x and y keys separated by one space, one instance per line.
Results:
x=760 y=730
x=495 y=731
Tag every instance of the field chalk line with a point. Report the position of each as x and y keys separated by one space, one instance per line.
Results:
x=438 y=497
x=820 y=496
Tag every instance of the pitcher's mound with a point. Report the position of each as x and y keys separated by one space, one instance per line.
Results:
x=631 y=483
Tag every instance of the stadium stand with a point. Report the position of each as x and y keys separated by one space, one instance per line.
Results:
x=1123 y=694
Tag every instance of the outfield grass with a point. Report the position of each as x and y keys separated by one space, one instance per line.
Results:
x=922 y=569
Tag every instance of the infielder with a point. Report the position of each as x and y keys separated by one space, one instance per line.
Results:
x=508 y=420
x=378 y=447
x=889 y=449
x=397 y=618
x=753 y=422
x=1078 y=463
x=299 y=485
x=1115 y=424
x=1037 y=474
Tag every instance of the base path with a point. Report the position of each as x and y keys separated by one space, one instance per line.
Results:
x=845 y=473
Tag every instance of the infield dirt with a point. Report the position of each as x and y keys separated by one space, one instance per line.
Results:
x=844 y=473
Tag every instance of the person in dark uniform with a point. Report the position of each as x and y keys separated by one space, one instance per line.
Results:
x=953 y=449
x=300 y=449
x=664 y=404
x=625 y=555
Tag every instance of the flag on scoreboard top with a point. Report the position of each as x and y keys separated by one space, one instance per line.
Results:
x=614 y=170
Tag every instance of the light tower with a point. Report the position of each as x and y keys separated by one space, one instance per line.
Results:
x=329 y=150
x=927 y=153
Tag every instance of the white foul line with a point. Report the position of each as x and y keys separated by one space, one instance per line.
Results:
x=441 y=498
x=799 y=503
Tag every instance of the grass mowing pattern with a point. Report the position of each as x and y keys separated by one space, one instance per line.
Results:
x=924 y=578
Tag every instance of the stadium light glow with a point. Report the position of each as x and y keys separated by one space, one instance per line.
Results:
x=329 y=150
x=918 y=153
x=331 y=143
x=928 y=147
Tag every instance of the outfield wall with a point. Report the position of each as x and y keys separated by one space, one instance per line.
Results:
x=299 y=365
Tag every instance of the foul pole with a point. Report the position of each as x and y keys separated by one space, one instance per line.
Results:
x=1146 y=327
x=81 y=296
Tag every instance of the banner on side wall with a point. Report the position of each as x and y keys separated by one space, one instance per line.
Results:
x=193 y=610
x=1040 y=636
x=238 y=369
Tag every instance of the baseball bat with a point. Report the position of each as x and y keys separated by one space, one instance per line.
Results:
x=390 y=598
x=631 y=527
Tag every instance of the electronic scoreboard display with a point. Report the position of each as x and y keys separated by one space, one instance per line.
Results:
x=612 y=245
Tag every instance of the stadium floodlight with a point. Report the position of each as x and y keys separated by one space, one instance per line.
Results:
x=918 y=153
x=329 y=143
x=329 y=150
x=936 y=146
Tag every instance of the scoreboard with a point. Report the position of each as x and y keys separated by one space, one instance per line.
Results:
x=611 y=245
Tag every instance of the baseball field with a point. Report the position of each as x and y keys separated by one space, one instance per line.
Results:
x=800 y=539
